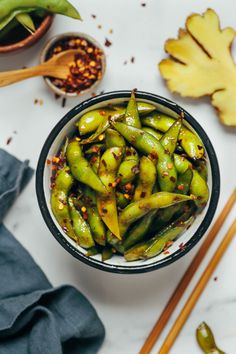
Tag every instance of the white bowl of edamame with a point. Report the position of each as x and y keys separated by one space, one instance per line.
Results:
x=128 y=182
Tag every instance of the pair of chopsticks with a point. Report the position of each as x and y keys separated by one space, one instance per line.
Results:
x=184 y=282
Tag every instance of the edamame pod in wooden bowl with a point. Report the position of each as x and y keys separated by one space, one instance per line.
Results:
x=137 y=191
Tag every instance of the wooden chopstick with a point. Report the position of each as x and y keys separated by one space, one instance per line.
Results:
x=184 y=282
x=190 y=303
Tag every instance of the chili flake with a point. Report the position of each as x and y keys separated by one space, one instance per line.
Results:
x=63 y=103
x=107 y=43
x=9 y=140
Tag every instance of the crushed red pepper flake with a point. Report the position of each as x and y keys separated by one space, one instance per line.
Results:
x=165 y=173
x=63 y=102
x=56 y=96
x=168 y=244
x=9 y=140
x=104 y=163
x=182 y=246
x=180 y=187
x=107 y=43
x=48 y=162
x=135 y=170
x=166 y=252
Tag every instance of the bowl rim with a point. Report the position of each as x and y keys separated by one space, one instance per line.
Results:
x=143 y=267
x=72 y=34
x=32 y=38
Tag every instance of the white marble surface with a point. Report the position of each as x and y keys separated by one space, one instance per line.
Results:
x=128 y=305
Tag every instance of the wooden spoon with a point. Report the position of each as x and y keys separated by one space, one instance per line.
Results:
x=57 y=67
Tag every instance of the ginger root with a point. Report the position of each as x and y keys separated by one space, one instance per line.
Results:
x=201 y=64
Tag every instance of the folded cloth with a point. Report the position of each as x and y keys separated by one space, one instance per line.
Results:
x=36 y=318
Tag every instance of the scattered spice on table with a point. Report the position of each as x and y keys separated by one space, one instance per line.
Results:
x=93 y=16
x=14 y=132
x=132 y=60
x=63 y=102
x=9 y=140
x=107 y=43
x=125 y=62
x=215 y=278
x=86 y=68
x=110 y=30
x=99 y=26
x=56 y=96
x=38 y=101
x=143 y=4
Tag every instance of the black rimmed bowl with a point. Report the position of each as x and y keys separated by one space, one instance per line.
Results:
x=117 y=264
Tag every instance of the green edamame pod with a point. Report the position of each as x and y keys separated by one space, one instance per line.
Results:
x=158 y=135
x=115 y=242
x=184 y=181
x=96 y=225
x=170 y=138
x=92 y=252
x=158 y=121
x=156 y=244
x=121 y=200
x=106 y=203
x=62 y=7
x=189 y=141
x=129 y=166
x=147 y=179
x=199 y=189
x=114 y=139
x=165 y=215
x=146 y=143
x=136 y=210
x=81 y=228
x=136 y=252
x=59 y=200
x=191 y=144
x=9 y=20
x=139 y=231
x=170 y=233
x=131 y=115
x=181 y=163
x=26 y=21
x=206 y=340
x=91 y=120
x=106 y=253
x=81 y=169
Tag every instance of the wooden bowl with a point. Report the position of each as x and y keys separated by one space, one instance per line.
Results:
x=31 y=39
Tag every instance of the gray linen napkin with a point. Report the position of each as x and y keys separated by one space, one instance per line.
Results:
x=36 y=318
